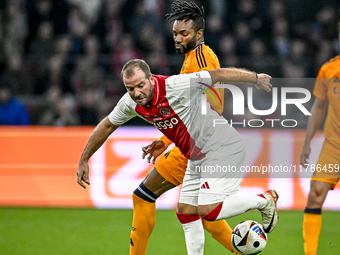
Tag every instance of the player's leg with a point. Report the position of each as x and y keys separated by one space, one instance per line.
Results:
x=144 y=210
x=312 y=219
x=222 y=199
x=187 y=213
x=172 y=167
x=219 y=203
x=220 y=231
x=321 y=183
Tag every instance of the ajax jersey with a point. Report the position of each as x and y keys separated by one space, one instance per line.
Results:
x=176 y=111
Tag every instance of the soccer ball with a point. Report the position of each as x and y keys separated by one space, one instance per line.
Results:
x=248 y=237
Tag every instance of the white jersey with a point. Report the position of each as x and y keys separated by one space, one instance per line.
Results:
x=176 y=111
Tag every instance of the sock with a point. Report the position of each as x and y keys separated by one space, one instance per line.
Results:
x=312 y=222
x=220 y=231
x=236 y=204
x=193 y=232
x=144 y=216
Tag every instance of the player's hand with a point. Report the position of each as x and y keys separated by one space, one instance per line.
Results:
x=83 y=174
x=263 y=82
x=305 y=155
x=155 y=149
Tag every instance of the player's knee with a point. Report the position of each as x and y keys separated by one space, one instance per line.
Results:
x=145 y=194
x=319 y=189
x=316 y=196
x=186 y=209
x=210 y=212
x=204 y=210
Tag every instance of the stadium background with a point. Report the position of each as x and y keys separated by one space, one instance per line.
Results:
x=63 y=58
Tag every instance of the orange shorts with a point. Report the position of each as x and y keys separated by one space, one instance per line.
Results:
x=172 y=166
x=327 y=168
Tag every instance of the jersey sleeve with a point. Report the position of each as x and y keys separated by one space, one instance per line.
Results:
x=124 y=111
x=207 y=60
x=215 y=100
x=181 y=86
x=212 y=61
x=320 y=87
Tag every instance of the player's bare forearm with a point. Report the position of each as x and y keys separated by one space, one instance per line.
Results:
x=237 y=75
x=318 y=112
x=99 y=135
x=96 y=140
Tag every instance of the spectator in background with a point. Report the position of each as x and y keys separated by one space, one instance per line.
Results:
x=78 y=29
x=15 y=29
x=57 y=68
x=147 y=13
x=324 y=52
x=326 y=22
x=87 y=108
x=299 y=54
x=15 y=75
x=298 y=34
x=89 y=8
x=41 y=48
x=124 y=51
x=298 y=65
x=1 y=37
x=243 y=36
x=109 y=26
x=60 y=110
x=12 y=110
x=39 y=11
x=55 y=74
x=88 y=72
x=157 y=58
x=214 y=28
x=281 y=39
x=228 y=50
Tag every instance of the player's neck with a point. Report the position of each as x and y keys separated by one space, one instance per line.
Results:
x=198 y=44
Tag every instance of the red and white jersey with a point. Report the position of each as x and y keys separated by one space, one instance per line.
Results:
x=176 y=111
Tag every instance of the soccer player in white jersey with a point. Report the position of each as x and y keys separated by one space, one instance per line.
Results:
x=173 y=105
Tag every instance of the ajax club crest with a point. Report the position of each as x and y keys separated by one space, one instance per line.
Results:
x=164 y=111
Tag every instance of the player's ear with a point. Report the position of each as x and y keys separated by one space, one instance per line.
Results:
x=199 y=34
x=152 y=79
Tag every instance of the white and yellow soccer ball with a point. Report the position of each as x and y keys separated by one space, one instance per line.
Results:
x=248 y=237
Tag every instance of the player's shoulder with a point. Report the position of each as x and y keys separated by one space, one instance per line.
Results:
x=206 y=48
x=328 y=69
x=207 y=51
x=206 y=58
x=126 y=100
x=335 y=59
x=331 y=62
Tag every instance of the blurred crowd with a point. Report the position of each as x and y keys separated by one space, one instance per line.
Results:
x=61 y=59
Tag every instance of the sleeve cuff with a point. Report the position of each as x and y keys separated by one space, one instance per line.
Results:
x=166 y=140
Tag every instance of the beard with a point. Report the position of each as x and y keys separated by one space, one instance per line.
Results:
x=186 y=48
x=146 y=96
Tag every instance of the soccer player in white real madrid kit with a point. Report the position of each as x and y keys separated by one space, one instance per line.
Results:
x=173 y=105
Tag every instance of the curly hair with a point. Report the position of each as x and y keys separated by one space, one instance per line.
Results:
x=187 y=11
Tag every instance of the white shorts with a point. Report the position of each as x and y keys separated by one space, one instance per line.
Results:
x=215 y=177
